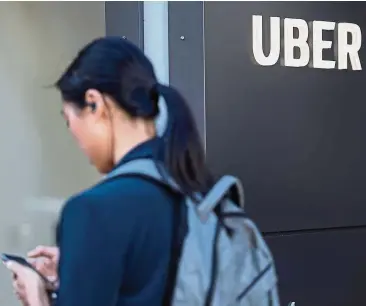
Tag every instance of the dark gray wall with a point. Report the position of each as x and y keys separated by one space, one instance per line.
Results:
x=125 y=18
x=293 y=135
x=186 y=55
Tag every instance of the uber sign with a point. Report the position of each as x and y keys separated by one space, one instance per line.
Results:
x=310 y=43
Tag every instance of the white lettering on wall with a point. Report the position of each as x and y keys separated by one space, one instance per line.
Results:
x=274 y=53
x=319 y=44
x=344 y=49
x=310 y=54
x=290 y=42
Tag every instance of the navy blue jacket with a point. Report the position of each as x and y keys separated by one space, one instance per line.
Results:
x=115 y=241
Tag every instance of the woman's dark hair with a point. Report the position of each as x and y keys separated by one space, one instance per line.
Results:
x=120 y=70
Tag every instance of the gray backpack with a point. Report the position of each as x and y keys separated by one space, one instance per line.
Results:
x=224 y=260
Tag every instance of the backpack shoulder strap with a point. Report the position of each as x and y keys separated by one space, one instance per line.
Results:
x=143 y=167
x=153 y=170
x=218 y=192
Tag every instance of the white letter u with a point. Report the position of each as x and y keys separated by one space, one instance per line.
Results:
x=275 y=48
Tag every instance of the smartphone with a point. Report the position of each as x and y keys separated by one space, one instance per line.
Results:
x=22 y=261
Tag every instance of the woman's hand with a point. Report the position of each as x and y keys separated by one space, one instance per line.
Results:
x=19 y=291
x=29 y=285
x=45 y=259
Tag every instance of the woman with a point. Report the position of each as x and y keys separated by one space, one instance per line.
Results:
x=115 y=238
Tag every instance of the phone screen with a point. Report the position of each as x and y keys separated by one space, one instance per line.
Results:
x=18 y=259
x=22 y=261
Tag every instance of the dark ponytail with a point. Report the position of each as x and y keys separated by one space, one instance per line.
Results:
x=119 y=69
x=184 y=153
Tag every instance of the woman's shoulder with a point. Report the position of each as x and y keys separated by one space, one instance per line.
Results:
x=122 y=194
x=128 y=205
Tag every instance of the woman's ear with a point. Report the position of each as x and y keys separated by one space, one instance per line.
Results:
x=96 y=103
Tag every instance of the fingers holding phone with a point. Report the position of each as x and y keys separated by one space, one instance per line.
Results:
x=19 y=290
x=45 y=259
x=50 y=252
x=29 y=286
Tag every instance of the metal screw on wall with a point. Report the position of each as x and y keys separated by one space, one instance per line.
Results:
x=182 y=38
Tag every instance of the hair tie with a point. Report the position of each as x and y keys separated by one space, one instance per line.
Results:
x=161 y=120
